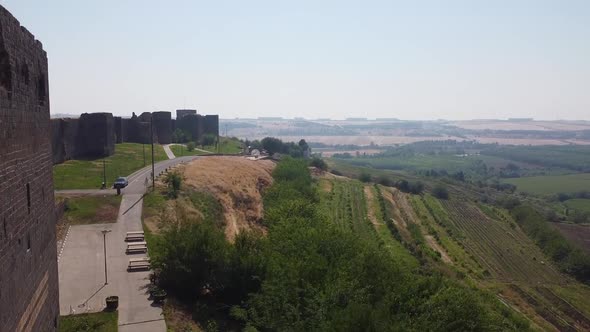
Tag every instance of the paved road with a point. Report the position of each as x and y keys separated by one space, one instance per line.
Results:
x=81 y=265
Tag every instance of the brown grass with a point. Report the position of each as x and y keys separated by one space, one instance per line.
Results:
x=237 y=183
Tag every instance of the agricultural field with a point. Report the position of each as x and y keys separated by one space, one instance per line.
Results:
x=88 y=174
x=578 y=204
x=551 y=184
x=577 y=234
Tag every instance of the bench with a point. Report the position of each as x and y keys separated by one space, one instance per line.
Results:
x=137 y=243
x=136 y=248
x=134 y=237
x=135 y=232
x=139 y=263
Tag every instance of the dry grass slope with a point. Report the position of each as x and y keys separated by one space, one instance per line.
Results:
x=237 y=183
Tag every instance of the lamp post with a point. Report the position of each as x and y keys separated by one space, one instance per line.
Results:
x=104 y=241
x=104 y=174
x=153 y=167
x=143 y=146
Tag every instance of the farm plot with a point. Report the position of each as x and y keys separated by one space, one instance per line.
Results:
x=577 y=234
x=504 y=251
x=346 y=206
x=551 y=184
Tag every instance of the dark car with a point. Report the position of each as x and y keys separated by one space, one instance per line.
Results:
x=121 y=182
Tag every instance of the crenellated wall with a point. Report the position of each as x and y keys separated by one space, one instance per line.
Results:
x=29 y=297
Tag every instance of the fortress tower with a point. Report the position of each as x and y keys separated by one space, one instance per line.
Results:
x=28 y=255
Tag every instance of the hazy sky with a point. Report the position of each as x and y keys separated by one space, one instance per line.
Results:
x=406 y=59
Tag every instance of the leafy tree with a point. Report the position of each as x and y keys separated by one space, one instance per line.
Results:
x=190 y=146
x=208 y=139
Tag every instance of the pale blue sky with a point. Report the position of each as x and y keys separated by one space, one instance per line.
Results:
x=406 y=59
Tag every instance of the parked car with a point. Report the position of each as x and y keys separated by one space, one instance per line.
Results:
x=121 y=182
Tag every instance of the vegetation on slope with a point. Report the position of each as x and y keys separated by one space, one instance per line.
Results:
x=311 y=273
x=569 y=258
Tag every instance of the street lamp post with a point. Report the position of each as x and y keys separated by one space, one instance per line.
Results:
x=104 y=174
x=104 y=241
x=153 y=167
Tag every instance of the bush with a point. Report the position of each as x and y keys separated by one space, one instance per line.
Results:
x=190 y=146
x=385 y=181
x=319 y=163
x=440 y=191
x=173 y=180
x=365 y=177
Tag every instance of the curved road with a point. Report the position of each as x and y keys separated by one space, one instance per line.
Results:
x=81 y=263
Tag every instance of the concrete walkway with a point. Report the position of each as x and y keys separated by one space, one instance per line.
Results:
x=82 y=285
x=168 y=151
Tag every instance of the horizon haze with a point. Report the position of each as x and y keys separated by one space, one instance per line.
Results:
x=378 y=59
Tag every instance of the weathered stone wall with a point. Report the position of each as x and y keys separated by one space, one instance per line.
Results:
x=64 y=134
x=28 y=255
x=137 y=131
x=162 y=127
x=96 y=135
x=120 y=130
x=189 y=124
x=182 y=113
x=211 y=125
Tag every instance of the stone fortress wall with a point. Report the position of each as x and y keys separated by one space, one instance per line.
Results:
x=94 y=135
x=29 y=297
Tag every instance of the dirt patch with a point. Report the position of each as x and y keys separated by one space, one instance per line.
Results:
x=436 y=247
x=370 y=206
x=237 y=183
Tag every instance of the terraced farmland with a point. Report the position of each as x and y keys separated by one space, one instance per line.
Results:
x=506 y=252
x=346 y=206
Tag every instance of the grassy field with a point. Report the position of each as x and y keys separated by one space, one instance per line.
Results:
x=180 y=151
x=88 y=174
x=551 y=184
x=92 y=209
x=227 y=146
x=578 y=204
x=96 y=322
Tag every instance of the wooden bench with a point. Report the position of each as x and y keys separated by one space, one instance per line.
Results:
x=139 y=263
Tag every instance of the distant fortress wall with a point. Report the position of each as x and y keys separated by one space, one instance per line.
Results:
x=94 y=135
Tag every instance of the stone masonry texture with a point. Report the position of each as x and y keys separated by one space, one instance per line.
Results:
x=28 y=256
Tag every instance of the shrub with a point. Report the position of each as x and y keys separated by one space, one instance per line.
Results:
x=440 y=191
x=319 y=163
x=173 y=180
x=190 y=146
x=365 y=177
